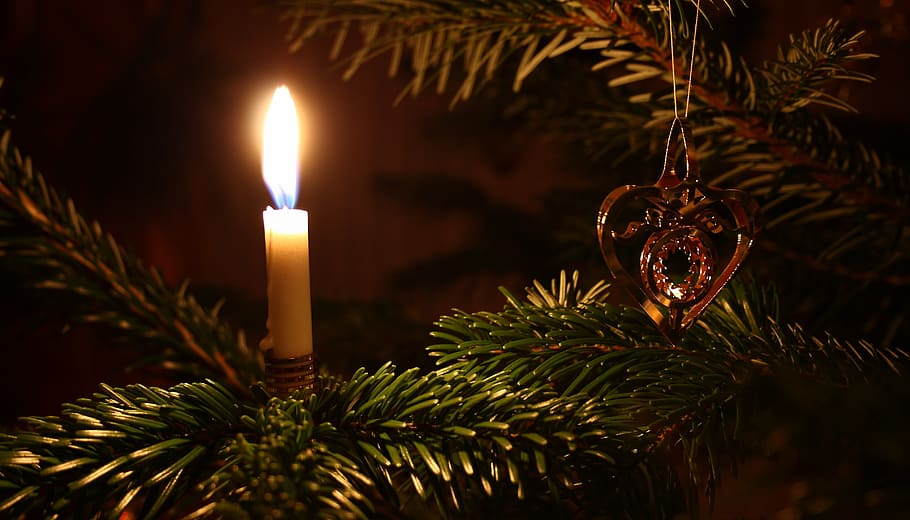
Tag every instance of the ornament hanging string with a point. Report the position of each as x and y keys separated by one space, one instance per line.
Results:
x=691 y=58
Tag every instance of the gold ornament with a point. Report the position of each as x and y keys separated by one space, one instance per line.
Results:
x=676 y=243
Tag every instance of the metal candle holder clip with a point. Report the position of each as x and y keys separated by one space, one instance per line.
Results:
x=284 y=376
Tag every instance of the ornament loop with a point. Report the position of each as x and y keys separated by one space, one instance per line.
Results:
x=679 y=132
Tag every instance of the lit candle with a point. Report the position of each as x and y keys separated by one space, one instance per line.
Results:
x=287 y=248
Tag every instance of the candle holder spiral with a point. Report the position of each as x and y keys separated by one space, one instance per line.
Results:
x=284 y=376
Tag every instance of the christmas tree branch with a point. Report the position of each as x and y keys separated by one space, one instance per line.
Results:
x=767 y=107
x=755 y=125
x=537 y=404
x=461 y=441
x=54 y=248
x=134 y=449
x=457 y=436
x=621 y=360
x=438 y=35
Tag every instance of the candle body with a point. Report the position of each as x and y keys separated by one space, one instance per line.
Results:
x=287 y=252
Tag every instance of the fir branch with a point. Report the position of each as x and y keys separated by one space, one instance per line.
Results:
x=133 y=449
x=459 y=440
x=801 y=72
x=754 y=123
x=564 y=292
x=769 y=109
x=477 y=37
x=675 y=394
x=454 y=439
x=56 y=249
x=283 y=468
x=680 y=393
x=572 y=408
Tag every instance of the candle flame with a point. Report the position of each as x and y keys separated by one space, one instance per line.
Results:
x=280 y=140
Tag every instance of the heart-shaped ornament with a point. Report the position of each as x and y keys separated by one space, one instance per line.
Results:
x=676 y=243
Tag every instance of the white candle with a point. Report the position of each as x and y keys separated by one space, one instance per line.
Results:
x=287 y=247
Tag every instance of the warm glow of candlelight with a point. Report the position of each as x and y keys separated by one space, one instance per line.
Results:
x=287 y=248
x=280 y=142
